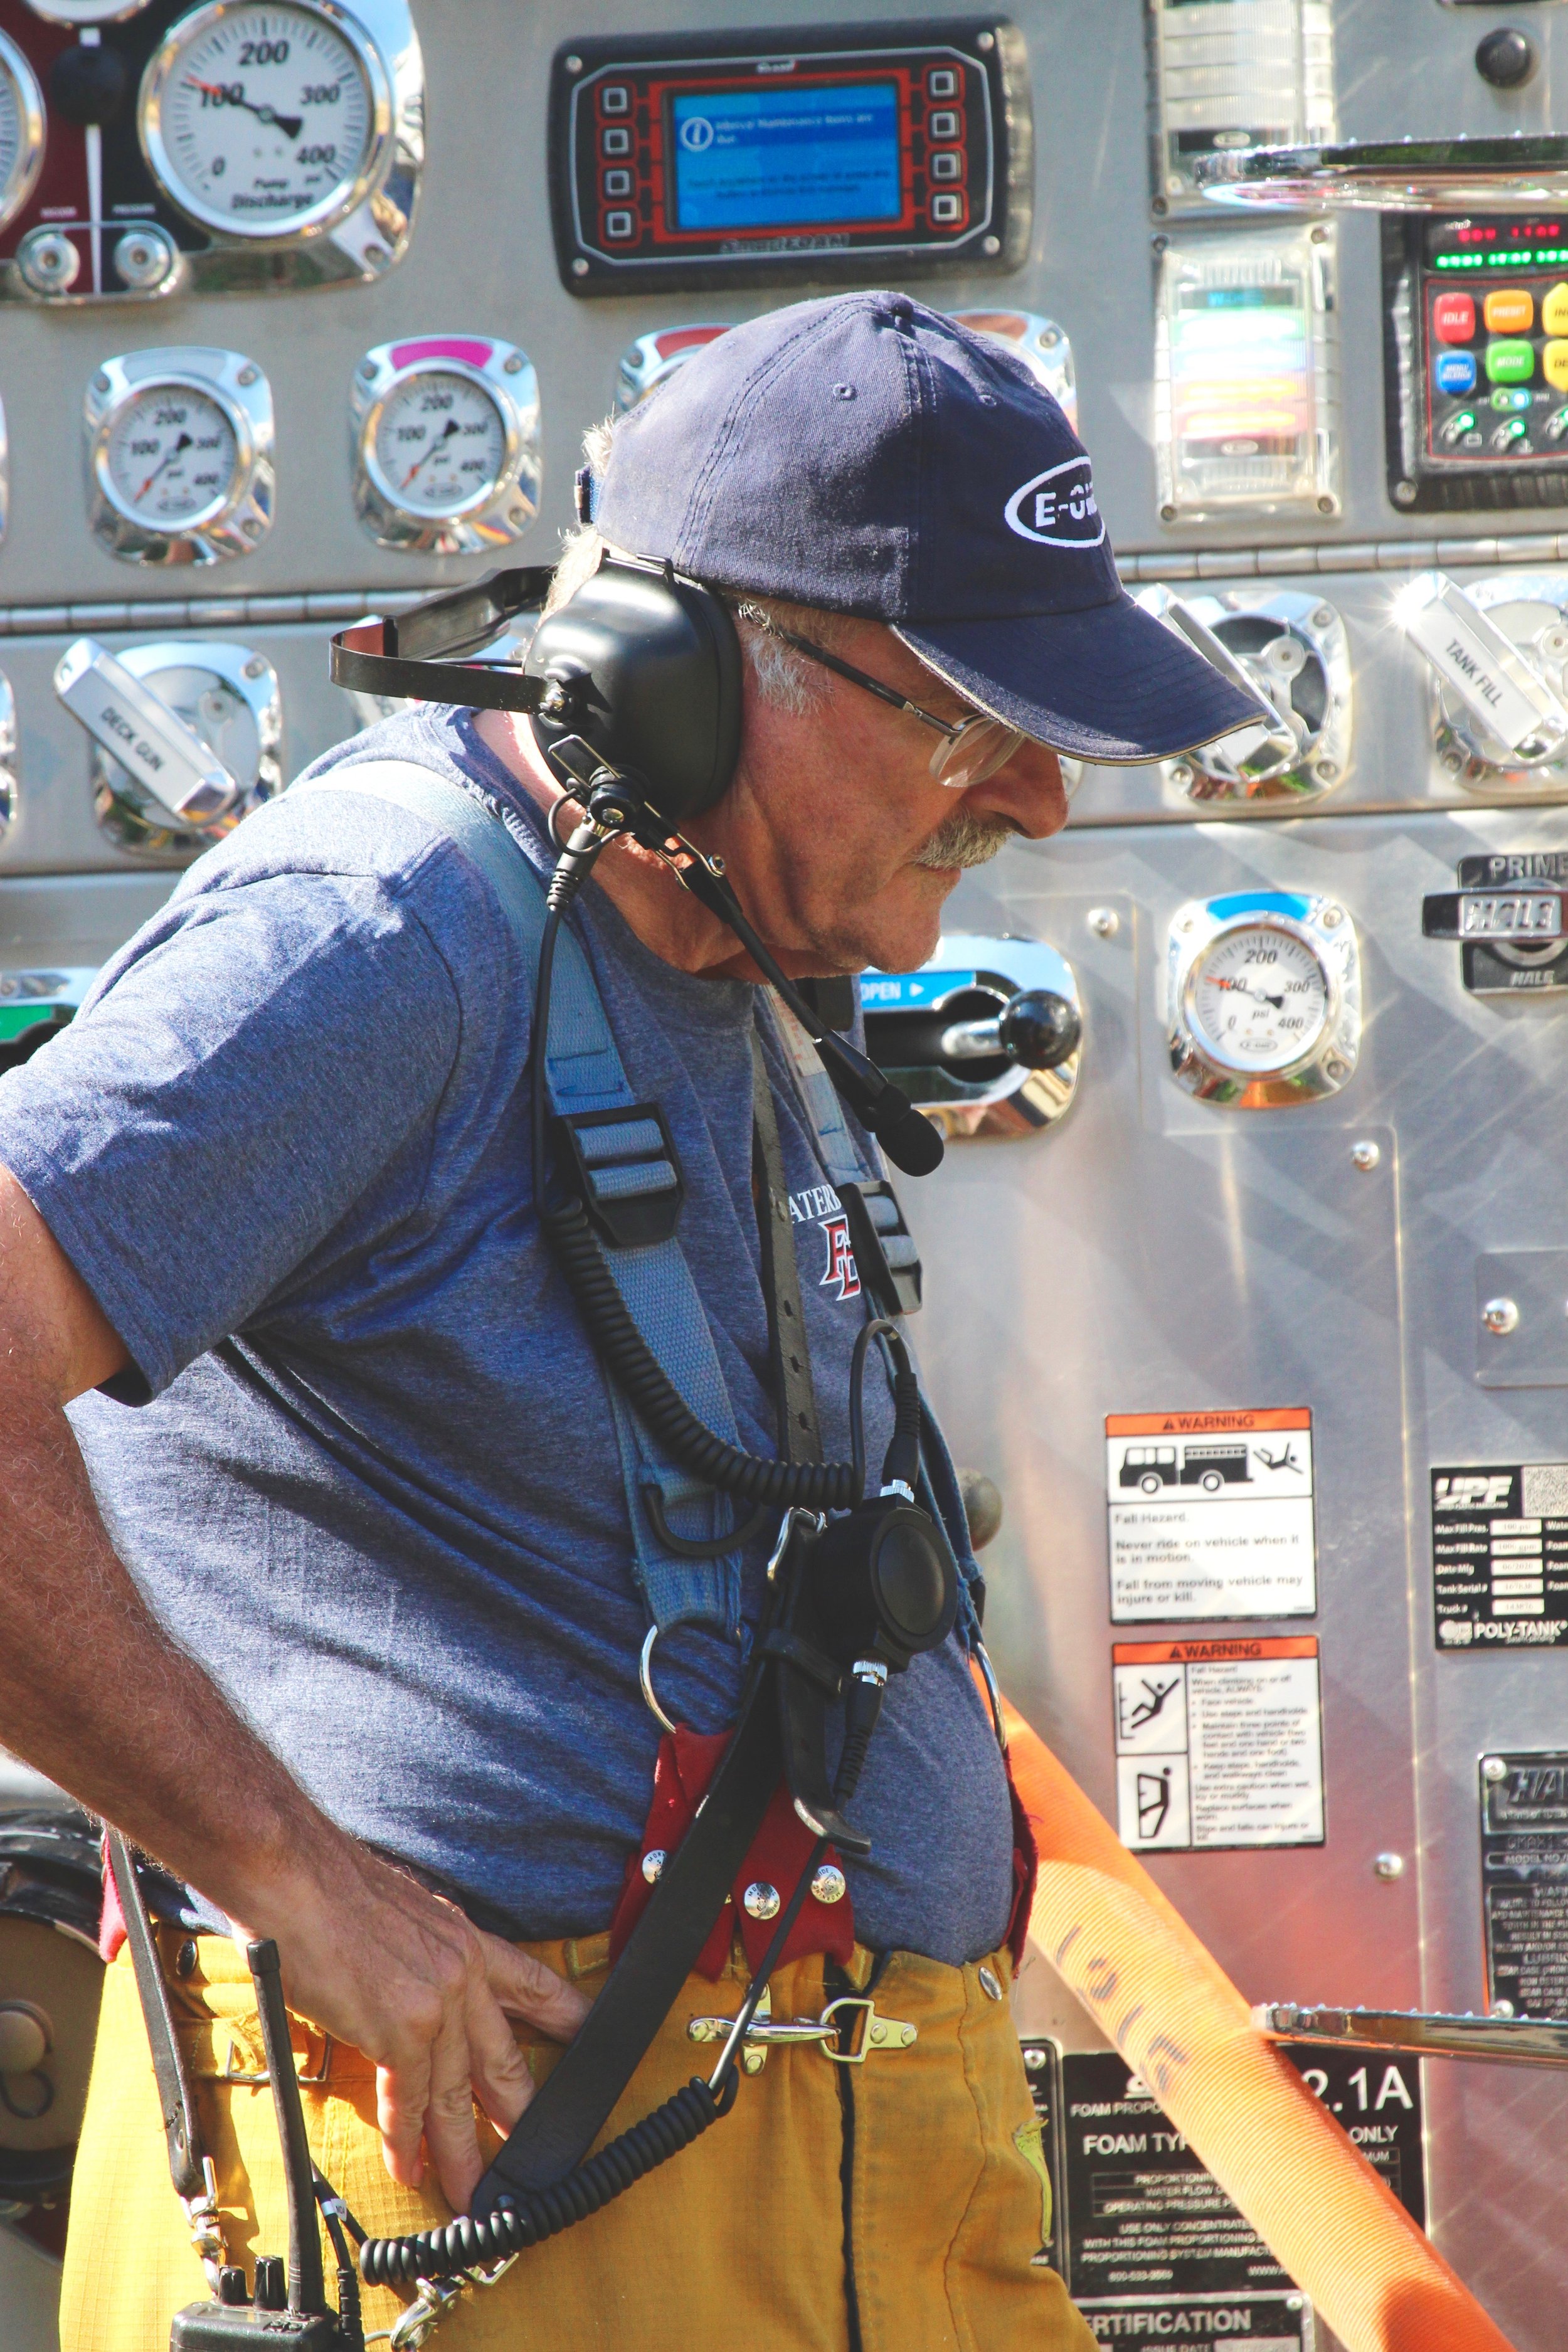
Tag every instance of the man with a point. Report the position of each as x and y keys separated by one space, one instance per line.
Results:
x=324 y=1590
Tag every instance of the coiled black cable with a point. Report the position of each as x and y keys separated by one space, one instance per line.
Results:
x=535 y=2214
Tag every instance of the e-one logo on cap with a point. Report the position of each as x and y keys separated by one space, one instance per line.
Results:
x=1058 y=508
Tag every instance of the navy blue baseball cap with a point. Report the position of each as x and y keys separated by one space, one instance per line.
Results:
x=866 y=455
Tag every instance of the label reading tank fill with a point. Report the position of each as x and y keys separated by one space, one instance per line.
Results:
x=1143 y=2219
x=1210 y=1515
x=1499 y=1557
x=1524 y=1882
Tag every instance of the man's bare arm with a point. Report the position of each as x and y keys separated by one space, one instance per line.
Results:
x=97 y=1695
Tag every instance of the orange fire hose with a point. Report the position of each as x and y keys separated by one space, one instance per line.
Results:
x=1179 y=2022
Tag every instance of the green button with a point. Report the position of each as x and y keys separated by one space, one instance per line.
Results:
x=1511 y=362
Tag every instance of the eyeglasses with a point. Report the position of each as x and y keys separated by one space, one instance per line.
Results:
x=970 y=750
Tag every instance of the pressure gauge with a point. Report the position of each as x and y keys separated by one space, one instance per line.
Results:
x=266 y=118
x=180 y=456
x=85 y=12
x=1264 y=997
x=21 y=128
x=445 y=444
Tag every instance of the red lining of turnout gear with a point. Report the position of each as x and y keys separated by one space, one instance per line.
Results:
x=778 y=1855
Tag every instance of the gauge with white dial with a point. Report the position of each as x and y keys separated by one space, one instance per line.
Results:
x=1259 y=997
x=266 y=118
x=171 y=457
x=21 y=128
x=440 y=443
x=1264 y=989
x=446 y=436
x=180 y=455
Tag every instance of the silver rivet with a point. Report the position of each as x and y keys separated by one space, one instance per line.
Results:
x=1323 y=617
x=1326 y=771
x=520 y=518
x=653 y=1865
x=830 y=1884
x=1338 y=1070
x=1388 y=1865
x=513 y=362
x=1365 y=1156
x=991 y=245
x=367 y=368
x=1295 y=2303
x=1104 y=923
x=1405 y=494
x=990 y=1983
x=761 y=1900
x=1035 y=2058
x=252 y=525
x=373 y=254
x=1500 y=1316
x=1502 y=2009
x=1331 y=918
x=1181 y=773
x=249 y=374
x=1494 y=1769
x=986 y=40
x=256 y=666
x=101 y=381
x=573 y=64
x=579 y=267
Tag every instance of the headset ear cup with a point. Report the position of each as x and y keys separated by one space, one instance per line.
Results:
x=657 y=668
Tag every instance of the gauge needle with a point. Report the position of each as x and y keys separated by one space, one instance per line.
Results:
x=183 y=443
x=290 y=125
x=1259 y=995
x=452 y=427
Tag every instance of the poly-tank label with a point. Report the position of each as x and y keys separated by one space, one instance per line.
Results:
x=1499 y=1557
x=1210 y=1515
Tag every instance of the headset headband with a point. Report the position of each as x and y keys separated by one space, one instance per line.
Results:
x=409 y=657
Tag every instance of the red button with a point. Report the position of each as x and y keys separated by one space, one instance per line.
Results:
x=1454 y=317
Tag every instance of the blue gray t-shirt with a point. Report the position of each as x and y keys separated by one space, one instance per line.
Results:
x=365 y=1469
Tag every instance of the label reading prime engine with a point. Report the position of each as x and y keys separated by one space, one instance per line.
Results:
x=1218 y=1743
x=1210 y=1515
x=1145 y=2228
x=1524 y=1882
x=1499 y=1557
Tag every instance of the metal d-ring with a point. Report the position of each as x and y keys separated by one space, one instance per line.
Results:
x=645 y=1676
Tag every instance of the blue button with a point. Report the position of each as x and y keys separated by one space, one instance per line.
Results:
x=1454 y=373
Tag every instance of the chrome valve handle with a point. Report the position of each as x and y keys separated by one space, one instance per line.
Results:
x=1517 y=716
x=1277 y=732
x=168 y=758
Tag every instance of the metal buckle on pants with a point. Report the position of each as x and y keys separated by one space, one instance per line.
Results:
x=882 y=2033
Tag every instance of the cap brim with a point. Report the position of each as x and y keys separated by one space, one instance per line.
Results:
x=1112 y=683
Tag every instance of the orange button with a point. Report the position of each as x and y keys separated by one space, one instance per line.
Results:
x=1509 y=310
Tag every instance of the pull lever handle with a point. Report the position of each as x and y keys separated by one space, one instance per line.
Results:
x=168 y=758
x=1493 y=677
x=1038 y=1028
x=1273 y=731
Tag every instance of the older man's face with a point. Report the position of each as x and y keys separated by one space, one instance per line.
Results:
x=841 y=843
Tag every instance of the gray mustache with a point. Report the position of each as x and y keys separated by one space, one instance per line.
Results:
x=964 y=840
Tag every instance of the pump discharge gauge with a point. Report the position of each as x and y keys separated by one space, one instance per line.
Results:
x=180 y=456
x=187 y=738
x=266 y=118
x=1293 y=652
x=21 y=128
x=1498 y=656
x=445 y=444
x=1264 y=997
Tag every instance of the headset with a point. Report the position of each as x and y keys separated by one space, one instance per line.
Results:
x=635 y=690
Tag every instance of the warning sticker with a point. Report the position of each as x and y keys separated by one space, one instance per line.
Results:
x=1499 y=1557
x=1524 y=1883
x=1211 y=1515
x=1218 y=1743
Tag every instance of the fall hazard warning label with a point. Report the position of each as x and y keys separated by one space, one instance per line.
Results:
x=1211 y=1515
x=1218 y=1743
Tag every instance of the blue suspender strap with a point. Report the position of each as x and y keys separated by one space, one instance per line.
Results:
x=583 y=1072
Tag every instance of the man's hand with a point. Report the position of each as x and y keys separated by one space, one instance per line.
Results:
x=376 y=1961
x=95 y=1694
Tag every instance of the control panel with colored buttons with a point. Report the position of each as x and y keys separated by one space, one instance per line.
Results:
x=867 y=152
x=1477 y=360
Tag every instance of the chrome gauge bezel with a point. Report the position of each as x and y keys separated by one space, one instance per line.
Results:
x=22 y=176
x=1462 y=751
x=1325 y=756
x=233 y=525
x=350 y=193
x=1324 y=928
x=511 y=502
x=85 y=12
x=126 y=813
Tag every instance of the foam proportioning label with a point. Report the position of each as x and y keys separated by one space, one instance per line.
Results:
x=1218 y=1743
x=1499 y=1557
x=1210 y=1515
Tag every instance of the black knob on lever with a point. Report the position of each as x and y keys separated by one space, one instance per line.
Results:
x=1040 y=1029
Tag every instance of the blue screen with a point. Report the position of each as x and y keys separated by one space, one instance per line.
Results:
x=786 y=158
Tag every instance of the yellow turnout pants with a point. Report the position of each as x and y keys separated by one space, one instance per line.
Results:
x=932 y=2154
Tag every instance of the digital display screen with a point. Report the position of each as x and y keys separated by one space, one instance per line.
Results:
x=1517 y=243
x=1241 y=369
x=771 y=158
